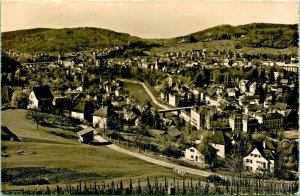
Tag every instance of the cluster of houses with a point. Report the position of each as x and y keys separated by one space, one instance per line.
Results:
x=258 y=158
x=216 y=108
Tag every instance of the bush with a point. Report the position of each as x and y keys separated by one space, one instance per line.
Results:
x=171 y=151
x=214 y=178
x=115 y=136
x=29 y=181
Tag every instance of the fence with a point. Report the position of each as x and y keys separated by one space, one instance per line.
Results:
x=229 y=186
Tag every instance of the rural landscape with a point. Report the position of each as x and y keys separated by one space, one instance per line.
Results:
x=92 y=111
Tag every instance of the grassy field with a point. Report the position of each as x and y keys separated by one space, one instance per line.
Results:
x=79 y=161
x=137 y=91
x=17 y=122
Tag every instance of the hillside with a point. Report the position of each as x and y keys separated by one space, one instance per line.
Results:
x=43 y=154
x=254 y=35
x=67 y=39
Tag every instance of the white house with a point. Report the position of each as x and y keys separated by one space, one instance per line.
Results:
x=243 y=84
x=252 y=88
x=78 y=112
x=193 y=154
x=195 y=118
x=173 y=99
x=40 y=97
x=100 y=118
x=259 y=160
x=231 y=92
x=219 y=142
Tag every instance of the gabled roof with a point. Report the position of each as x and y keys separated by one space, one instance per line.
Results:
x=85 y=131
x=42 y=92
x=284 y=81
x=219 y=138
x=254 y=107
x=270 y=144
x=79 y=108
x=173 y=131
x=267 y=154
x=102 y=112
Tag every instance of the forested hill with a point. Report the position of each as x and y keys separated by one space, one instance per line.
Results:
x=67 y=39
x=251 y=35
x=254 y=35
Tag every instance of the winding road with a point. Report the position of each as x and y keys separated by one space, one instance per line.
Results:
x=182 y=169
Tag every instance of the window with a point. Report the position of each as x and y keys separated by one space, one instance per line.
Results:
x=192 y=156
x=192 y=150
x=248 y=168
x=248 y=161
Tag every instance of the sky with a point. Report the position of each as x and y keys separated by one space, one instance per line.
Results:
x=147 y=19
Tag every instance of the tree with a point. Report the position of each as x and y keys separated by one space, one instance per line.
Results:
x=235 y=162
x=36 y=116
x=19 y=99
x=210 y=153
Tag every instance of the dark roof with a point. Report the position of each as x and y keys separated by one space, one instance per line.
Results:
x=42 y=92
x=173 y=131
x=218 y=138
x=79 y=108
x=267 y=154
x=254 y=107
x=270 y=145
x=102 y=112
x=269 y=116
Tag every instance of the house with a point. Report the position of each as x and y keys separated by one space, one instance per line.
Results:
x=243 y=85
x=86 y=135
x=62 y=103
x=196 y=118
x=100 y=118
x=215 y=120
x=82 y=111
x=235 y=122
x=220 y=142
x=259 y=160
x=231 y=92
x=193 y=154
x=273 y=121
x=173 y=132
x=252 y=88
x=250 y=124
x=40 y=97
x=173 y=99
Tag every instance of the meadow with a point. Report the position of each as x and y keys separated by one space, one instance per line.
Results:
x=49 y=157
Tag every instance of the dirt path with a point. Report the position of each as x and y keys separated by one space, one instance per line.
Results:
x=155 y=161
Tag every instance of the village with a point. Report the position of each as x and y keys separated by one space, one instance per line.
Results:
x=209 y=109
